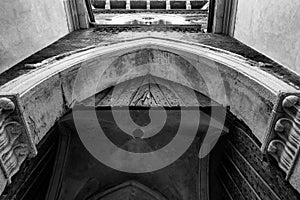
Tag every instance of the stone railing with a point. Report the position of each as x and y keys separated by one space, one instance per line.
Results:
x=178 y=4
x=152 y=28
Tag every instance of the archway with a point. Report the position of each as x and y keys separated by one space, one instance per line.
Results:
x=79 y=167
x=251 y=93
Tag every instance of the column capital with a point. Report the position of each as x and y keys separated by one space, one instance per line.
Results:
x=15 y=142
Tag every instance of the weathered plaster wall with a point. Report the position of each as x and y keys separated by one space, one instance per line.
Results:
x=271 y=27
x=28 y=26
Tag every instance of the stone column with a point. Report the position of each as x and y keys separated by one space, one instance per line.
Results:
x=107 y=4
x=168 y=5
x=188 y=5
x=83 y=16
x=127 y=4
x=148 y=4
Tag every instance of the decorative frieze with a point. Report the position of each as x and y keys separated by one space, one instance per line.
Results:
x=283 y=142
x=152 y=28
x=15 y=142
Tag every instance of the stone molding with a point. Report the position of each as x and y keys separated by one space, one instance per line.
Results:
x=118 y=192
x=240 y=76
x=152 y=28
x=283 y=139
x=15 y=142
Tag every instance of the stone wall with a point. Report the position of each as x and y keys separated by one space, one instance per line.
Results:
x=242 y=172
x=271 y=27
x=28 y=26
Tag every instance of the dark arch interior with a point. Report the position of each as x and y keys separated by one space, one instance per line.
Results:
x=65 y=169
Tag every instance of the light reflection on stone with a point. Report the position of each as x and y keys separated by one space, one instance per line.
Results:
x=150 y=19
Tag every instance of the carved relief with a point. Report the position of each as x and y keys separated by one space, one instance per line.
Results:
x=6 y=108
x=285 y=137
x=145 y=91
x=14 y=142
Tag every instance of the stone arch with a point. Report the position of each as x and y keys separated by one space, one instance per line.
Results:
x=124 y=190
x=46 y=94
x=52 y=84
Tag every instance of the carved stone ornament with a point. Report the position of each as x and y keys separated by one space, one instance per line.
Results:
x=15 y=142
x=284 y=134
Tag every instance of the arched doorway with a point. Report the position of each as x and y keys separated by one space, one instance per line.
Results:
x=80 y=174
x=46 y=96
x=129 y=190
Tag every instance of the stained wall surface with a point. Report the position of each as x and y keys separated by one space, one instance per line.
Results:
x=271 y=27
x=242 y=171
x=28 y=26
